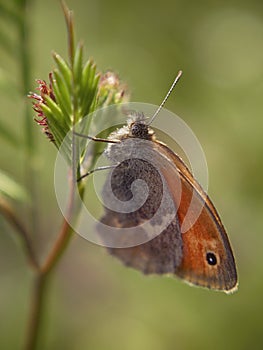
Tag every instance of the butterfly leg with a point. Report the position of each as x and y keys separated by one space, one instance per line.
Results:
x=95 y=138
x=106 y=167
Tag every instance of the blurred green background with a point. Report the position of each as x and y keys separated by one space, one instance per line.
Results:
x=94 y=302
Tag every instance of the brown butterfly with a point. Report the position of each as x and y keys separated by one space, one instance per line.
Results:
x=202 y=255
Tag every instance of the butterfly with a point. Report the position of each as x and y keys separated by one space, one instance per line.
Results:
x=194 y=247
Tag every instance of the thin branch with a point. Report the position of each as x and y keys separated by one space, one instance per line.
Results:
x=30 y=142
x=65 y=233
x=70 y=27
x=58 y=248
x=9 y=213
x=37 y=304
x=38 y=293
x=66 y=230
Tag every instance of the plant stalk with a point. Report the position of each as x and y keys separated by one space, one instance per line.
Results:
x=25 y=67
x=36 y=311
x=42 y=275
x=44 y=271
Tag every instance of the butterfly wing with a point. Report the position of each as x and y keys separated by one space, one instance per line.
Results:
x=208 y=260
x=194 y=246
x=159 y=255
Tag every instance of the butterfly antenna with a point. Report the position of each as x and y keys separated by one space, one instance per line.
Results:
x=166 y=97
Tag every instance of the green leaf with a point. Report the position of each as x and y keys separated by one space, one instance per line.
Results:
x=62 y=95
x=54 y=125
x=64 y=70
x=10 y=188
x=90 y=89
x=92 y=100
x=77 y=67
x=61 y=102
x=55 y=110
x=85 y=79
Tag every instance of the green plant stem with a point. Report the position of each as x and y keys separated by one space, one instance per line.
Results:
x=58 y=248
x=26 y=64
x=36 y=312
x=70 y=28
x=43 y=273
x=41 y=279
x=38 y=296
x=25 y=67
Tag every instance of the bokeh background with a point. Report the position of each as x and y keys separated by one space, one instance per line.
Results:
x=94 y=302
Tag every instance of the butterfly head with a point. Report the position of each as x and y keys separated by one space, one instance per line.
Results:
x=140 y=130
